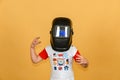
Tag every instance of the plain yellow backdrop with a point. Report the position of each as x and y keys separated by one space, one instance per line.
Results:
x=96 y=25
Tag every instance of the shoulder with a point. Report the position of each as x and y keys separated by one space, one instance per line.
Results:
x=73 y=47
x=48 y=47
x=73 y=50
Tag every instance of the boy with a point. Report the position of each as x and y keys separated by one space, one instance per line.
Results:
x=60 y=52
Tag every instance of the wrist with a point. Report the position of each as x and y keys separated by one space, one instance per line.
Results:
x=32 y=46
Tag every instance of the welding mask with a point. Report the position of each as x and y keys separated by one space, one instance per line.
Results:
x=61 y=34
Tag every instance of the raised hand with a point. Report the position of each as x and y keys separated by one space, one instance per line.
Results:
x=35 y=42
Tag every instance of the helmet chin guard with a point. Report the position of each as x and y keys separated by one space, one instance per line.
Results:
x=61 y=34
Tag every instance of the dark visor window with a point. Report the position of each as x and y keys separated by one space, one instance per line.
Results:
x=61 y=31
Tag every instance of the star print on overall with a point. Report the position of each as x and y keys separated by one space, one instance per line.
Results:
x=60 y=61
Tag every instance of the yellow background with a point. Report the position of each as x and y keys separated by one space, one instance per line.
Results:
x=96 y=26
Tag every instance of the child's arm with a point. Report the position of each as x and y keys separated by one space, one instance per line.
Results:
x=35 y=58
x=82 y=61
